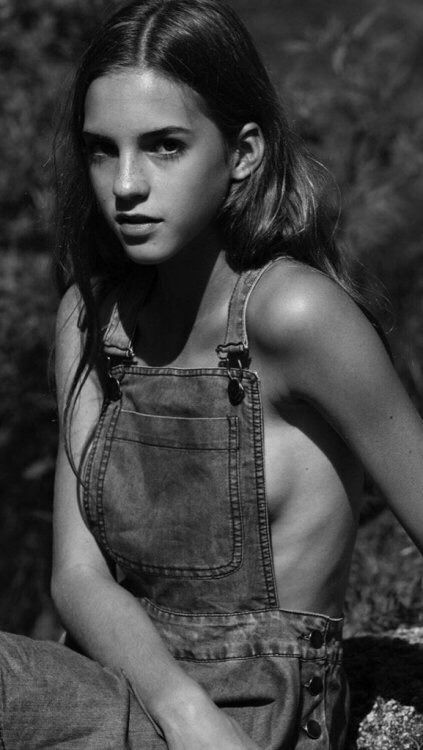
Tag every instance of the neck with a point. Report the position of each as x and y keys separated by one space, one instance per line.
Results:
x=193 y=280
x=190 y=294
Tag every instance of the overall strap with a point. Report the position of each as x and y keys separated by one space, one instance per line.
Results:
x=234 y=352
x=120 y=329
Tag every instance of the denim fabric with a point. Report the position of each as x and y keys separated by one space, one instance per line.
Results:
x=273 y=671
x=174 y=493
x=53 y=697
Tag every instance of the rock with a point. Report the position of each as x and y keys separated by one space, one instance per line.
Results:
x=386 y=678
x=390 y=726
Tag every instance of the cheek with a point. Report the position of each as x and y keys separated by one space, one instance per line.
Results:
x=204 y=187
x=101 y=185
x=95 y=185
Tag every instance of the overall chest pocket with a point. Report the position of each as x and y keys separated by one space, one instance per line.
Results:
x=167 y=495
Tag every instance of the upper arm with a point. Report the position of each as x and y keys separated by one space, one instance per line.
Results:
x=73 y=544
x=331 y=356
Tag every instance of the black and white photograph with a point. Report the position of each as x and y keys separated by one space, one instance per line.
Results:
x=211 y=369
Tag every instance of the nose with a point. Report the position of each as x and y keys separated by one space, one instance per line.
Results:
x=130 y=179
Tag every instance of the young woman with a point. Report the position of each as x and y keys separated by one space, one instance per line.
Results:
x=221 y=393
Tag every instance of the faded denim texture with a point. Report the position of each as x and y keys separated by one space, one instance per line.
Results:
x=174 y=493
x=53 y=697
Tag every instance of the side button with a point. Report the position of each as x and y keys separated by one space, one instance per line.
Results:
x=316 y=639
x=313 y=729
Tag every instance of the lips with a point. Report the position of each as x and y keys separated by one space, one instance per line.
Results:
x=122 y=218
x=136 y=225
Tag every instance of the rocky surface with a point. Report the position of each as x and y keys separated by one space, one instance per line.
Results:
x=385 y=673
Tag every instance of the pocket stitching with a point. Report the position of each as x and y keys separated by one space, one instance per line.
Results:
x=197 y=572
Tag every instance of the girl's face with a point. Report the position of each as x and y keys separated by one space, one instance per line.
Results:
x=159 y=166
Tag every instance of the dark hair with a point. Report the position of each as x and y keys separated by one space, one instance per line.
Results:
x=279 y=210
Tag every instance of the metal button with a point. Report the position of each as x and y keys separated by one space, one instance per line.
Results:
x=316 y=639
x=314 y=685
x=313 y=729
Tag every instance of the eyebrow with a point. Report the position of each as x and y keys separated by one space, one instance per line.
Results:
x=159 y=133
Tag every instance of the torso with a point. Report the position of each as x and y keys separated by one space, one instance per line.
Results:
x=313 y=488
x=313 y=481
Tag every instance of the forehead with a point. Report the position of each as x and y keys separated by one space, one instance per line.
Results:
x=136 y=100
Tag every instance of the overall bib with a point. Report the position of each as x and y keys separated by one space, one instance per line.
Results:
x=174 y=493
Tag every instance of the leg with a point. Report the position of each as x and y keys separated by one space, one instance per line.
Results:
x=52 y=697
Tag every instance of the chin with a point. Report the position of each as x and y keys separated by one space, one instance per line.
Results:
x=145 y=256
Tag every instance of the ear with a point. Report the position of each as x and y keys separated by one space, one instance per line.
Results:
x=248 y=151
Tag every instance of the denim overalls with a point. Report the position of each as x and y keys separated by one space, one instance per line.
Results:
x=174 y=493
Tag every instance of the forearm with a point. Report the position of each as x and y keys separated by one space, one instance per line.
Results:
x=112 y=627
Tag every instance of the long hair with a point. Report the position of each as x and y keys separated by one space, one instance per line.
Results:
x=278 y=210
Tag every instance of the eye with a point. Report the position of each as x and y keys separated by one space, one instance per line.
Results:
x=98 y=149
x=168 y=148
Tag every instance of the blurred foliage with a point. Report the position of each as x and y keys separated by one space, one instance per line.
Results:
x=351 y=75
x=27 y=436
x=39 y=43
x=355 y=91
x=386 y=583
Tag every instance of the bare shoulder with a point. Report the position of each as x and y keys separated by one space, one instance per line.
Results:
x=296 y=308
x=317 y=346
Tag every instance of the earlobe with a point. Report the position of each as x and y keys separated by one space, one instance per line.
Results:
x=249 y=151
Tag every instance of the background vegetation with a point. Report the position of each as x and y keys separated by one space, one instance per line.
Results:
x=351 y=74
